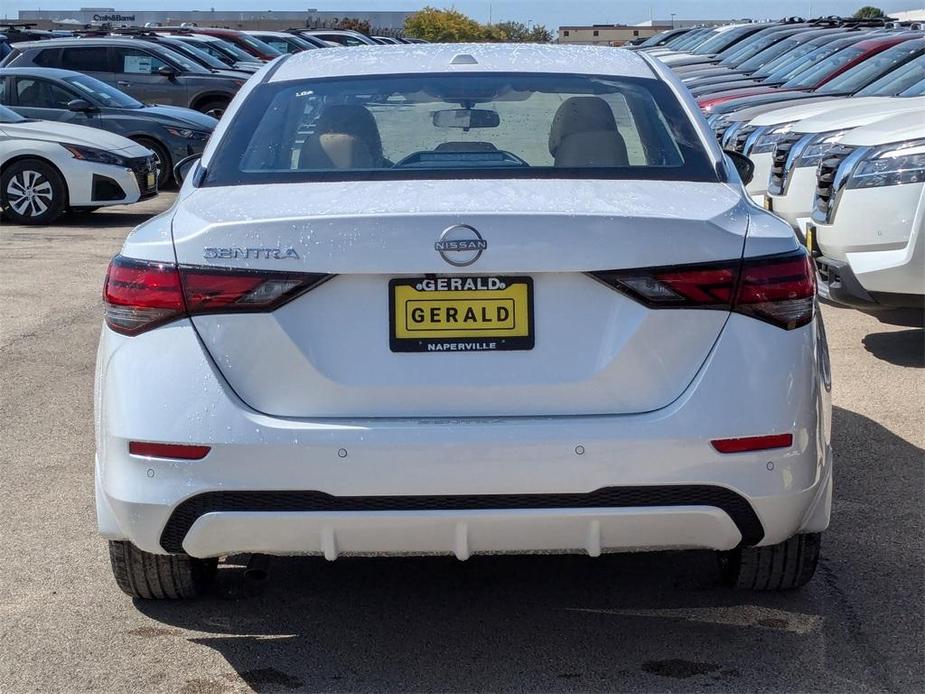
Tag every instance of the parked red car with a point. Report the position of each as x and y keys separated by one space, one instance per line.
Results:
x=813 y=78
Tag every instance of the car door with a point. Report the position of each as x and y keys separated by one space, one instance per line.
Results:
x=90 y=60
x=34 y=97
x=137 y=74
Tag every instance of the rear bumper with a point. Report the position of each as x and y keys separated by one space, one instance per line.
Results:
x=463 y=485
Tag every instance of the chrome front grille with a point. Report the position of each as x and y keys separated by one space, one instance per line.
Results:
x=777 y=180
x=826 y=192
x=738 y=139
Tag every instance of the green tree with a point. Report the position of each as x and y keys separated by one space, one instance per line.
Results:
x=444 y=26
x=352 y=24
x=520 y=33
x=869 y=12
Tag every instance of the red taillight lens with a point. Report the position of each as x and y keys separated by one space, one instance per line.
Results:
x=177 y=451
x=141 y=295
x=753 y=443
x=777 y=289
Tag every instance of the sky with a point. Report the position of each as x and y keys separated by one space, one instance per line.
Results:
x=552 y=13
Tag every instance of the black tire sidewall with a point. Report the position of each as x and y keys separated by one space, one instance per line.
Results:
x=166 y=177
x=58 y=184
x=213 y=104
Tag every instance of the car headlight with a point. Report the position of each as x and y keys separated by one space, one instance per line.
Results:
x=187 y=133
x=100 y=156
x=766 y=138
x=890 y=165
x=817 y=147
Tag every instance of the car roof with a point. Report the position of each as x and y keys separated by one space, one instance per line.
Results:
x=269 y=32
x=87 y=41
x=461 y=57
x=50 y=72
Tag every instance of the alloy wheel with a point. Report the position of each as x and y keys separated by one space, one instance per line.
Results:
x=29 y=193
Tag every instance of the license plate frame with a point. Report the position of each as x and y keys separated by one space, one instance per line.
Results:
x=519 y=337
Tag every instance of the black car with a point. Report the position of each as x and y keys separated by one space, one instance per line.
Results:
x=150 y=72
x=171 y=132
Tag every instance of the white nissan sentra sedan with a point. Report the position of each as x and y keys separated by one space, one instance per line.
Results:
x=461 y=299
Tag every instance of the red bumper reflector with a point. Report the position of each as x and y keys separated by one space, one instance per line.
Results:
x=753 y=443
x=177 y=451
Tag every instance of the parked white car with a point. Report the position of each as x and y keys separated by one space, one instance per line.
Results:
x=867 y=221
x=48 y=167
x=756 y=131
x=462 y=299
x=792 y=181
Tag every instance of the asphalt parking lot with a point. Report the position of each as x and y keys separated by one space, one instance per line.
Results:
x=645 y=622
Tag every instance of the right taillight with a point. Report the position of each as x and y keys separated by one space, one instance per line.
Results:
x=778 y=289
x=140 y=294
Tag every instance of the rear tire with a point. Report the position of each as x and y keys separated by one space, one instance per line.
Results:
x=32 y=192
x=159 y=576
x=784 y=566
x=213 y=107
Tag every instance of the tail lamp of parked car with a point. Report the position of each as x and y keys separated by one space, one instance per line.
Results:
x=141 y=295
x=777 y=289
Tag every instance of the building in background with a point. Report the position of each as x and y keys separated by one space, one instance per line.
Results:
x=619 y=34
x=909 y=15
x=606 y=34
x=676 y=23
x=256 y=19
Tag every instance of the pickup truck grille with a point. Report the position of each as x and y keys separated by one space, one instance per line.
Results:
x=777 y=181
x=824 y=200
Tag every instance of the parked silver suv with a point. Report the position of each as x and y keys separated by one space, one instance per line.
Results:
x=150 y=72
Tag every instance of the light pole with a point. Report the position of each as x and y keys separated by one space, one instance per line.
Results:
x=672 y=19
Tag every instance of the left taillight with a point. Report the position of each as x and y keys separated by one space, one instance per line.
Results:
x=140 y=294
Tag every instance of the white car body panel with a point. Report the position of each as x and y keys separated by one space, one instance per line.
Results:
x=308 y=398
x=797 y=198
x=880 y=231
x=41 y=139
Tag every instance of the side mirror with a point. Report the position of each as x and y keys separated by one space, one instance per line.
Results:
x=80 y=106
x=183 y=167
x=742 y=164
x=167 y=71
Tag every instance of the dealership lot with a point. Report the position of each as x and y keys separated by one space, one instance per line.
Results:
x=631 y=622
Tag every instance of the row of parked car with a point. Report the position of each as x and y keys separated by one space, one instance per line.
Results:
x=101 y=117
x=831 y=113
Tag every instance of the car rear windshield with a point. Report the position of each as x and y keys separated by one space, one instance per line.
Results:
x=460 y=126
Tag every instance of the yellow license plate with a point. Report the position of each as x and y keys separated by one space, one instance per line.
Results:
x=768 y=204
x=461 y=314
x=810 y=237
x=151 y=179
